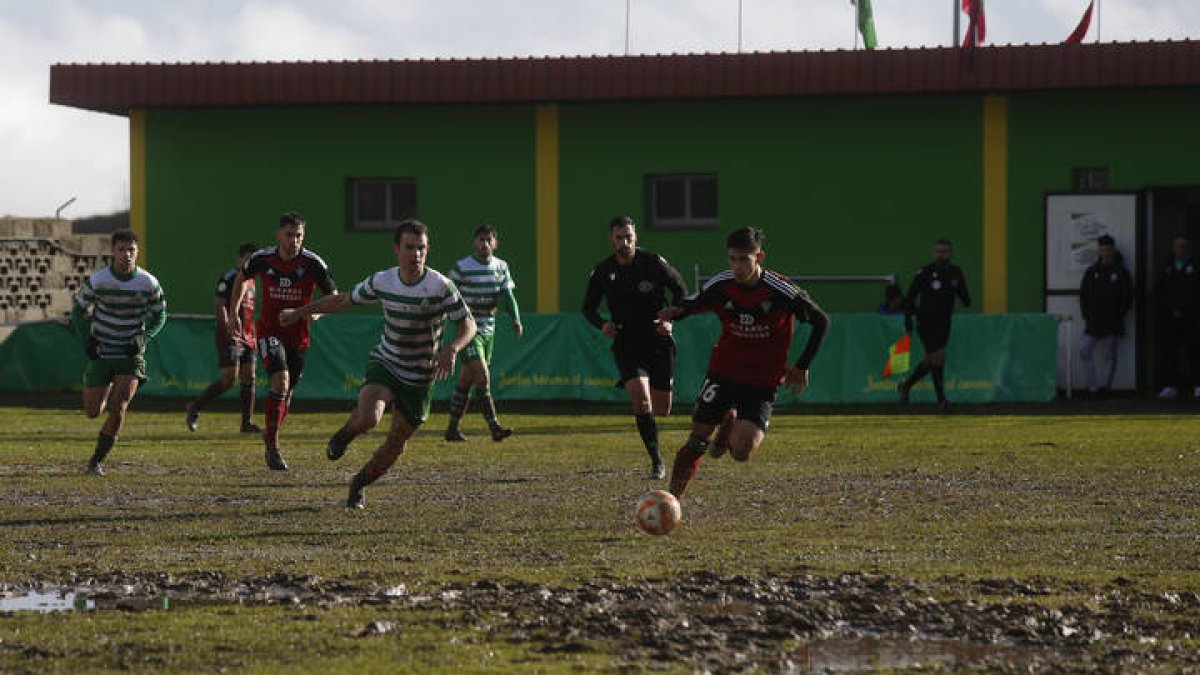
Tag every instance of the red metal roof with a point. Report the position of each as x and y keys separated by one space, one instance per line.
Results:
x=115 y=88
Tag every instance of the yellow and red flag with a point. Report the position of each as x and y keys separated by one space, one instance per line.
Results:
x=898 y=354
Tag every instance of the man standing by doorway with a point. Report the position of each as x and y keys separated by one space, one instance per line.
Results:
x=931 y=300
x=1105 y=297
x=634 y=282
x=1177 y=300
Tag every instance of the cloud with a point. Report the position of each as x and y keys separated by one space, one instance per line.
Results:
x=271 y=31
x=50 y=153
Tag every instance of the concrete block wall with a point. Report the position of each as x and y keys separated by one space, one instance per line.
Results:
x=42 y=264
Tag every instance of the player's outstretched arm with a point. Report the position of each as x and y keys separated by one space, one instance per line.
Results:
x=327 y=304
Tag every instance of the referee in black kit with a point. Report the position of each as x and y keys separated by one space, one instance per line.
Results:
x=931 y=300
x=633 y=282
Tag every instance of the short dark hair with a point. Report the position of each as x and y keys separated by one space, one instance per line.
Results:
x=1105 y=240
x=486 y=229
x=124 y=235
x=621 y=221
x=248 y=247
x=944 y=242
x=410 y=226
x=292 y=219
x=745 y=239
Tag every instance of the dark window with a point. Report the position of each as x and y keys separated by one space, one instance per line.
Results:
x=381 y=203
x=682 y=200
x=1090 y=179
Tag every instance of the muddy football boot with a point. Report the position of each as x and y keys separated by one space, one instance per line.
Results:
x=336 y=449
x=193 y=416
x=455 y=436
x=94 y=468
x=251 y=428
x=356 y=499
x=500 y=433
x=275 y=460
x=658 y=471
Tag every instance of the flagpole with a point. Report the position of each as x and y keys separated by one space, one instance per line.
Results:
x=1097 y=21
x=957 y=19
x=739 y=26
x=626 y=27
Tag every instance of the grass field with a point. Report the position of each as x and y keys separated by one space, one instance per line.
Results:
x=1004 y=542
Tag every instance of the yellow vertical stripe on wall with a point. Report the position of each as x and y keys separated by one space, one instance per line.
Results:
x=546 y=206
x=137 y=179
x=995 y=204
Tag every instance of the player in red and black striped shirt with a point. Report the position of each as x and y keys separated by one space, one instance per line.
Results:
x=757 y=309
x=288 y=276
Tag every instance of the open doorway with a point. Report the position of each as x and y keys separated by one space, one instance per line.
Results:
x=1171 y=211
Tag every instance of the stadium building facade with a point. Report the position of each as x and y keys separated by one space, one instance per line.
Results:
x=853 y=162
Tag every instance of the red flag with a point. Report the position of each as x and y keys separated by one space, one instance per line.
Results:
x=1081 y=30
x=976 y=23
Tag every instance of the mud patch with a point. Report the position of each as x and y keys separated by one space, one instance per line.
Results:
x=799 y=622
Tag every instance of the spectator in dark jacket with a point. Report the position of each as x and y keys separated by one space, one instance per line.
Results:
x=1105 y=297
x=1176 y=296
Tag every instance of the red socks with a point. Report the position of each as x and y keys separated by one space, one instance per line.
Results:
x=275 y=409
x=687 y=463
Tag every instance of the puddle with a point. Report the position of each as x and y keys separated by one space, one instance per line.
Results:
x=849 y=655
x=67 y=601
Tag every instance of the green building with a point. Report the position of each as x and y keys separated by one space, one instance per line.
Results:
x=852 y=162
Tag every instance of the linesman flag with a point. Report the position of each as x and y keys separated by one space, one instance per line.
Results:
x=898 y=354
x=865 y=18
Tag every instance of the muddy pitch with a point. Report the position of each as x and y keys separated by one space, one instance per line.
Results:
x=797 y=622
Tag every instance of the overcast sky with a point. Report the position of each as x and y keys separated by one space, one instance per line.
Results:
x=49 y=154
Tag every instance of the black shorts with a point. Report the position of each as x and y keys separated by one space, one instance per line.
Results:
x=654 y=359
x=719 y=395
x=278 y=357
x=229 y=353
x=934 y=335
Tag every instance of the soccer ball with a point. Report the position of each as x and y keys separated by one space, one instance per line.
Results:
x=658 y=512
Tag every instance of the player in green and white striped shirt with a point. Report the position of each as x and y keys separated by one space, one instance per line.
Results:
x=484 y=281
x=417 y=301
x=117 y=311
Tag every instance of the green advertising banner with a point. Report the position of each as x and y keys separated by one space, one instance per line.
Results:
x=991 y=358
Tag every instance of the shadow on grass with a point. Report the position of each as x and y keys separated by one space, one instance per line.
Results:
x=155 y=518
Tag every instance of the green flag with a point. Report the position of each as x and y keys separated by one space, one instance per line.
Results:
x=866 y=22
